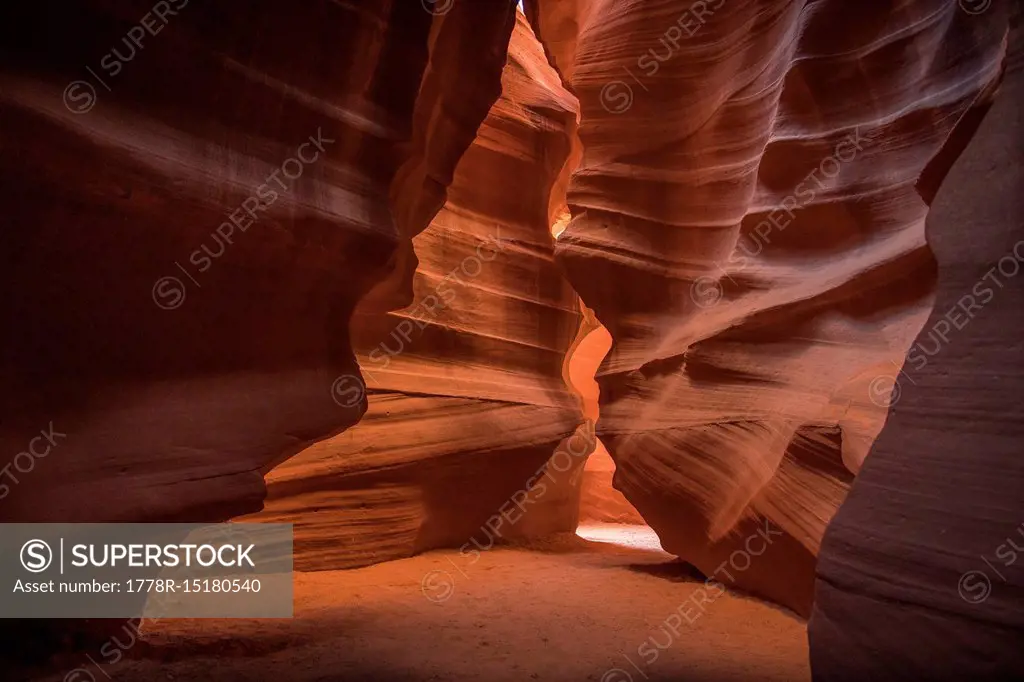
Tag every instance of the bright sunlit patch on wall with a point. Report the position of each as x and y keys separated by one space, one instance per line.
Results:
x=635 y=537
x=561 y=222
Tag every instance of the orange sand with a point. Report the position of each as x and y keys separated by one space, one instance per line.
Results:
x=568 y=610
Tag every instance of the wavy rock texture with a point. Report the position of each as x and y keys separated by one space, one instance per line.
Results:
x=467 y=393
x=921 y=573
x=177 y=362
x=746 y=225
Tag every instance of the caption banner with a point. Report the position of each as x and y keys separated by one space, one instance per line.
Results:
x=145 y=570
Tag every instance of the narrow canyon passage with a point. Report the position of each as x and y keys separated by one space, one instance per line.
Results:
x=600 y=502
x=610 y=340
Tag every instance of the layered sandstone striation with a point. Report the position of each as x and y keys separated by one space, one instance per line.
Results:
x=921 y=574
x=745 y=223
x=467 y=385
x=196 y=199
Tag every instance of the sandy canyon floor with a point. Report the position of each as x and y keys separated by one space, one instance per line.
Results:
x=598 y=609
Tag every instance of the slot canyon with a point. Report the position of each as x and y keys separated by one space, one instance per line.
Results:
x=610 y=340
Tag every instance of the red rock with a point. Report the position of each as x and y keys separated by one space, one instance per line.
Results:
x=920 y=573
x=754 y=306
x=174 y=414
x=467 y=398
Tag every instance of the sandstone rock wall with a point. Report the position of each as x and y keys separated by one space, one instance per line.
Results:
x=196 y=198
x=745 y=223
x=468 y=396
x=921 y=573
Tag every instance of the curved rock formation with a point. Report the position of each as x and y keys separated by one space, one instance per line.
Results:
x=197 y=199
x=599 y=500
x=210 y=212
x=921 y=573
x=746 y=225
x=467 y=393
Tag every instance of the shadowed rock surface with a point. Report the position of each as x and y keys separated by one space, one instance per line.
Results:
x=179 y=362
x=921 y=574
x=190 y=221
